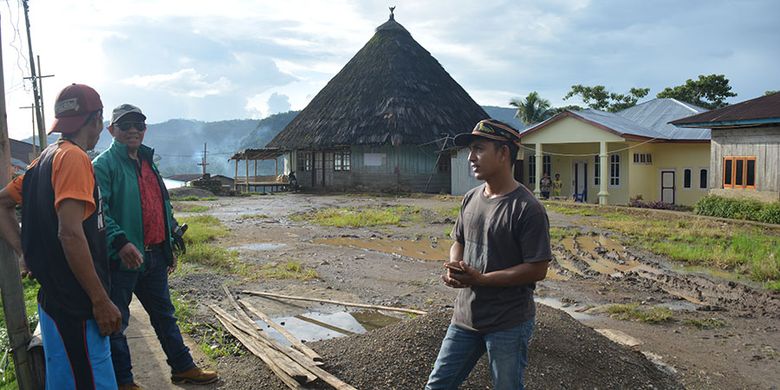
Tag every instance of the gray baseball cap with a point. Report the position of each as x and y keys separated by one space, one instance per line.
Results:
x=125 y=109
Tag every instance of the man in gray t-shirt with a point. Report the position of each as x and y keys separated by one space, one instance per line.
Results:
x=501 y=248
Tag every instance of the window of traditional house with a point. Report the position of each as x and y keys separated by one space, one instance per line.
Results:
x=597 y=170
x=304 y=161
x=342 y=160
x=703 y=178
x=614 y=170
x=643 y=158
x=739 y=172
x=687 y=173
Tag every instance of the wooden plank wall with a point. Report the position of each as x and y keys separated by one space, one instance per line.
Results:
x=404 y=168
x=763 y=143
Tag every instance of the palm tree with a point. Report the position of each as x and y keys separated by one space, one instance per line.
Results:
x=532 y=109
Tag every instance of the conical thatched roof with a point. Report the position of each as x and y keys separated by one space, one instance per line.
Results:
x=391 y=92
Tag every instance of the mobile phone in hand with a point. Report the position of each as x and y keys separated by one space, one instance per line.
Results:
x=454 y=266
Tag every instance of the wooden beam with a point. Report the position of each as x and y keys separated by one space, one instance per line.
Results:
x=257 y=349
x=363 y=305
x=297 y=344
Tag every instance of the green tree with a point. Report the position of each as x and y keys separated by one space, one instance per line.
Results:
x=599 y=98
x=709 y=91
x=532 y=109
x=557 y=110
x=770 y=92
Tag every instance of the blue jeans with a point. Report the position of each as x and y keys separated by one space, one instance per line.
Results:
x=151 y=288
x=461 y=349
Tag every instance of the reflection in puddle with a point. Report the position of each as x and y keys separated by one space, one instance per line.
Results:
x=315 y=326
x=423 y=249
x=259 y=246
x=570 y=310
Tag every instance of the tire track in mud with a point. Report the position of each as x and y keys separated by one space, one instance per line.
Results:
x=589 y=256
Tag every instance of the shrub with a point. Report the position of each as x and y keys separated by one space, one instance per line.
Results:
x=748 y=209
x=657 y=205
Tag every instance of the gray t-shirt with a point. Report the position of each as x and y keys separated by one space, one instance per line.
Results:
x=499 y=233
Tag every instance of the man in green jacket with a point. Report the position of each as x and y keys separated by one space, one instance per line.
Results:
x=138 y=230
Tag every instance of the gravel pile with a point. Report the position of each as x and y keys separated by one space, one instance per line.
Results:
x=564 y=355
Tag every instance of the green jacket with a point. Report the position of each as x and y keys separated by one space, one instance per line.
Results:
x=117 y=177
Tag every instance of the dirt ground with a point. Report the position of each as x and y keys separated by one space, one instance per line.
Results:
x=398 y=266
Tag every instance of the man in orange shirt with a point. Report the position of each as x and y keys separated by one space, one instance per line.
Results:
x=64 y=245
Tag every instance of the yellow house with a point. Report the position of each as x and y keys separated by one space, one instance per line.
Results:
x=610 y=158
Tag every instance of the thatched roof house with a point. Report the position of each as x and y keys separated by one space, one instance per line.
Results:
x=381 y=121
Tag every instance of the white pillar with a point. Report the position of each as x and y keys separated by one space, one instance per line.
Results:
x=538 y=169
x=603 y=173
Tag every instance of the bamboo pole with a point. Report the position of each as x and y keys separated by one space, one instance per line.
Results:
x=363 y=305
x=284 y=332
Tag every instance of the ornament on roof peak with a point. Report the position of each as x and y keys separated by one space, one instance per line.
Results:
x=392 y=15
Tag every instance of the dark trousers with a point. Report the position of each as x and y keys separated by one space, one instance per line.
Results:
x=151 y=288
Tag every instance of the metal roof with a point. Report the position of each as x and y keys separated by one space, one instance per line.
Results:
x=657 y=113
x=763 y=110
x=647 y=120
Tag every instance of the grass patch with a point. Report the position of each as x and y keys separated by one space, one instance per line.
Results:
x=8 y=379
x=707 y=323
x=449 y=212
x=634 y=312
x=244 y=217
x=559 y=233
x=362 y=217
x=213 y=341
x=745 y=250
x=194 y=209
x=201 y=249
x=571 y=210
x=192 y=198
x=289 y=270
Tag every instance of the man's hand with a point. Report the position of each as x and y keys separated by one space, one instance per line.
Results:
x=130 y=256
x=23 y=270
x=449 y=276
x=469 y=277
x=107 y=316
x=173 y=265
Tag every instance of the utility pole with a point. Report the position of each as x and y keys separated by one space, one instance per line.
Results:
x=32 y=112
x=36 y=94
x=11 y=288
x=203 y=162
x=40 y=89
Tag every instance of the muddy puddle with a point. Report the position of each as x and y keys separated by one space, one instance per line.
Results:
x=569 y=309
x=423 y=249
x=315 y=326
x=259 y=246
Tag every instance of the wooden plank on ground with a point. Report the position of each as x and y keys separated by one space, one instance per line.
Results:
x=284 y=332
x=258 y=351
x=363 y=305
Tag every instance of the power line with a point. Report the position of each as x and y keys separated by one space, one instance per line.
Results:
x=17 y=37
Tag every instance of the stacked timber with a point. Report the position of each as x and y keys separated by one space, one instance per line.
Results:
x=295 y=366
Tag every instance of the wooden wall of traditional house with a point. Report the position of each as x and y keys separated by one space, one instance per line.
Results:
x=463 y=178
x=373 y=168
x=763 y=143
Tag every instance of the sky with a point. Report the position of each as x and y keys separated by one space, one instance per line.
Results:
x=234 y=59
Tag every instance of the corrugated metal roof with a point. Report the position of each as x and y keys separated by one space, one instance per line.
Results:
x=649 y=120
x=619 y=124
x=764 y=110
x=657 y=113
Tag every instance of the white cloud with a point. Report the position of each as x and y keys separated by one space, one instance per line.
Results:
x=185 y=82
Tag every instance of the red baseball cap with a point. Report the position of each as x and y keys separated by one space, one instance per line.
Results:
x=74 y=104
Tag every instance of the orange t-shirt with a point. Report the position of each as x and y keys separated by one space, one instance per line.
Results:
x=72 y=178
